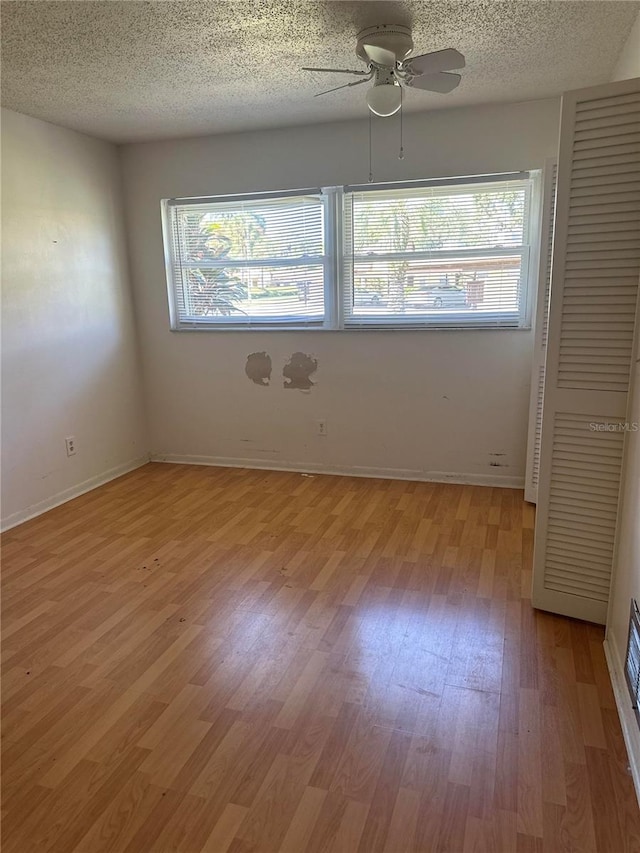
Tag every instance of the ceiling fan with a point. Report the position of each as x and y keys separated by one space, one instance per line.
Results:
x=386 y=50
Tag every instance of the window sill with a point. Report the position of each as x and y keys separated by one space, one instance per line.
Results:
x=369 y=327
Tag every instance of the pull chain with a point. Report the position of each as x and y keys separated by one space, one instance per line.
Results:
x=401 y=154
x=370 y=157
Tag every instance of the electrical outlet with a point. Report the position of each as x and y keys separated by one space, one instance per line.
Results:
x=70 y=444
x=322 y=428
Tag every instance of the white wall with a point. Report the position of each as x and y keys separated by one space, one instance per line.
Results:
x=626 y=575
x=69 y=356
x=626 y=582
x=403 y=403
x=628 y=65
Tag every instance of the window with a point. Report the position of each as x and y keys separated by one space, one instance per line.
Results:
x=252 y=261
x=442 y=253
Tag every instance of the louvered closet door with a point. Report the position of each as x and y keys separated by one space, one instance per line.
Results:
x=596 y=262
x=549 y=181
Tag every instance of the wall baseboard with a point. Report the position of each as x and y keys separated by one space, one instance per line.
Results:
x=343 y=470
x=69 y=494
x=418 y=475
x=628 y=722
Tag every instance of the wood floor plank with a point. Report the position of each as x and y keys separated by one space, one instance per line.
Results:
x=225 y=829
x=119 y=707
x=126 y=812
x=530 y=765
x=402 y=829
x=301 y=826
x=238 y=661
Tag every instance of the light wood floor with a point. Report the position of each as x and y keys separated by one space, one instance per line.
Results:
x=201 y=659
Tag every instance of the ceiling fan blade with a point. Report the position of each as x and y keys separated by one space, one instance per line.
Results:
x=345 y=86
x=337 y=71
x=380 y=55
x=442 y=82
x=430 y=63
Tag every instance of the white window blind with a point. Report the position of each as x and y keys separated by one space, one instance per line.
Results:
x=444 y=253
x=244 y=261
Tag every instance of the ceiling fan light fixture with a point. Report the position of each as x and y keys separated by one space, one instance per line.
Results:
x=384 y=99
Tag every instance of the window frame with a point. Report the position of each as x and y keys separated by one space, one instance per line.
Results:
x=338 y=288
x=231 y=323
x=520 y=318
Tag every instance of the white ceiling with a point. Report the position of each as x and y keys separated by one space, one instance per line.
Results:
x=147 y=70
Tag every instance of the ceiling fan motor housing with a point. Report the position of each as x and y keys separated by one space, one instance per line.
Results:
x=385 y=77
x=392 y=37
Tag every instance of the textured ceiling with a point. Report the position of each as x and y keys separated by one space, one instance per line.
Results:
x=147 y=70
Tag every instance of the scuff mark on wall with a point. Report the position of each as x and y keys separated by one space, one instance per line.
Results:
x=258 y=368
x=496 y=460
x=298 y=370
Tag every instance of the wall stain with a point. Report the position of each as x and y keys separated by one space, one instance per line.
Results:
x=495 y=460
x=258 y=368
x=298 y=370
